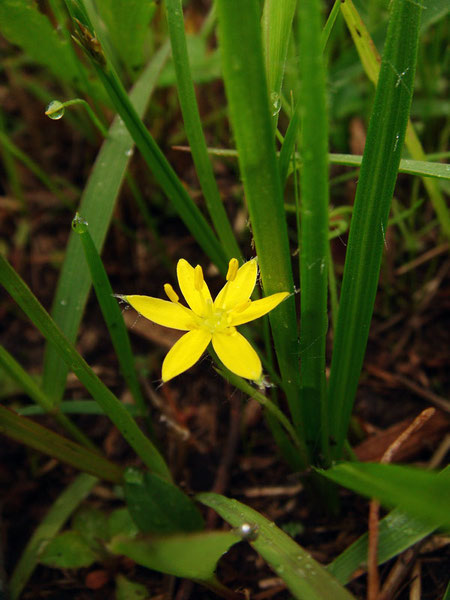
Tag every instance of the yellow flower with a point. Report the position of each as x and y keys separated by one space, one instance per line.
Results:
x=207 y=320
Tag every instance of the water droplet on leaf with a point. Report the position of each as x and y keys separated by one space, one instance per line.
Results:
x=55 y=110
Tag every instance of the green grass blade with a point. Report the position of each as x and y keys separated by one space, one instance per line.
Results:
x=111 y=311
x=245 y=83
x=66 y=503
x=194 y=131
x=305 y=578
x=97 y=205
x=76 y=407
x=313 y=242
x=411 y=167
x=276 y=31
x=44 y=440
x=371 y=209
x=12 y=367
x=371 y=63
x=107 y=400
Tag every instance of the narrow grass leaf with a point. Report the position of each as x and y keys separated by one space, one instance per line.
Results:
x=371 y=209
x=77 y=407
x=194 y=131
x=422 y=494
x=305 y=578
x=107 y=400
x=412 y=167
x=97 y=206
x=50 y=525
x=42 y=439
x=245 y=84
x=313 y=237
x=111 y=311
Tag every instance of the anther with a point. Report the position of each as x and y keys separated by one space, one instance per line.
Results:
x=171 y=293
x=198 y=278
x=233 y=266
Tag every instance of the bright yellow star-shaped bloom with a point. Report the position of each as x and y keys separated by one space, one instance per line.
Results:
x=209 y=321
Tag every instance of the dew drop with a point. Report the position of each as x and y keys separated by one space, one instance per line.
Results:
x=55 y=110
x=248 y=531
x=275 y=103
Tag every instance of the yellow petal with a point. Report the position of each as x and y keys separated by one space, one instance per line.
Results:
x=163 y=312
x=237 y=354
x=197 y=299
x=257 y=309
x=185 y=353
x=240 y=289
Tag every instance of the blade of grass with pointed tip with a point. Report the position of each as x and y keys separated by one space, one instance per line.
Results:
x=194 y=131
x=12 y=367
x=371 y=209
x=115 y=410
x=313 y=237
x=66 y=503
x=111 y=311
x=371 y=62
x=305 y=578
x=245 y=84
x=96 y=206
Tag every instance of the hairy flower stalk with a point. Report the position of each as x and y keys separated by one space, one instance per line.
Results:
x=208 y=321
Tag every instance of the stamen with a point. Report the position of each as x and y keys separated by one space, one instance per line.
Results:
x=233 y=267
x=241 y=307
x=198 y=278
x=171 y=293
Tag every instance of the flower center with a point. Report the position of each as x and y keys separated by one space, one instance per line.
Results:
x=217 y=320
